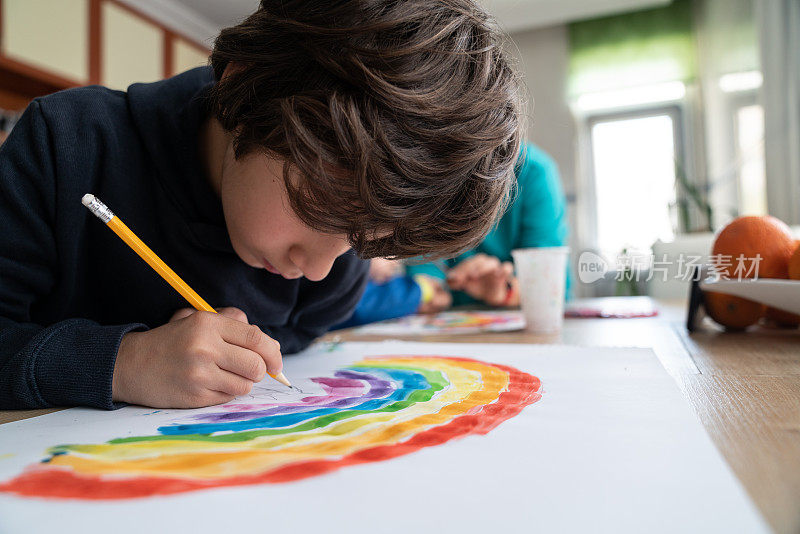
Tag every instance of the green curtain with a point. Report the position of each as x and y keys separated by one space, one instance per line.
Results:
x=628 y=50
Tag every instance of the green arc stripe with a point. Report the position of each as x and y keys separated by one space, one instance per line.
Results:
x=436 y=379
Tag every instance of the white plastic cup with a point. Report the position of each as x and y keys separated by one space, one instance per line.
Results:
x=542 y=276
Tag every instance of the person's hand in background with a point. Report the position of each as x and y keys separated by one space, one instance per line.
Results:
x=485 y=278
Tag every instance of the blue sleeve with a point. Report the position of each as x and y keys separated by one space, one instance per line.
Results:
x=396 y=298
x=67 y=363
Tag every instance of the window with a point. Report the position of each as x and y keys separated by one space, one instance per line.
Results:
x=752 y=180
x=633 y=159
x=746 y=142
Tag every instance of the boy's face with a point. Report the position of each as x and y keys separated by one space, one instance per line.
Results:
x=264 y=230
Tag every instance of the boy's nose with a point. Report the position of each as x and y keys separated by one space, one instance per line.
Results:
x=315 y=266
x=317 y=274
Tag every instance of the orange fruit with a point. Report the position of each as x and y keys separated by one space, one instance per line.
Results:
x=783 y=318
x=780 y=318
x=794 y=264
x=750 y=236
x=736 y=248
x=734 y=313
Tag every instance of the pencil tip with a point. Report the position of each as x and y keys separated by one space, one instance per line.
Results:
x=280 y=377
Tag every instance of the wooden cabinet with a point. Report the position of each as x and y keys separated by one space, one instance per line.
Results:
x=186 y=55
x=48 y=45
x=132 y=48
x=48 y=35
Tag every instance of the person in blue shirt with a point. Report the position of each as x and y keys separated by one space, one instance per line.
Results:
x=536 y=217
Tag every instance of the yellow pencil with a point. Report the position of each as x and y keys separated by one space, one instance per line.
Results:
x=112 y=221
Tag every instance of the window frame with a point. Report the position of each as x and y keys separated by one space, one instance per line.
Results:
x=733 y=103
x=674 y=110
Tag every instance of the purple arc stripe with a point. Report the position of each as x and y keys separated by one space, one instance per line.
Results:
x=336 y=398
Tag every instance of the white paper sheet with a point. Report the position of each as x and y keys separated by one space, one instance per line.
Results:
x=611 y=446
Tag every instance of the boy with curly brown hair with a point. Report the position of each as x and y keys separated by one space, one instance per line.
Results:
x=323 y=133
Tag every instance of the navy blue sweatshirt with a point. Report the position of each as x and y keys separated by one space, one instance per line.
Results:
x=70 y=288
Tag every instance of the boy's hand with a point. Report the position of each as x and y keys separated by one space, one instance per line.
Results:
x=197 y=359
x=233 y=313
x=483 y=277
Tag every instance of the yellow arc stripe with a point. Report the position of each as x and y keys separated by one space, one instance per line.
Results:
x=473 y=384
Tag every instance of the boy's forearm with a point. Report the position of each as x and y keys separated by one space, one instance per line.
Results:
x=69 y=363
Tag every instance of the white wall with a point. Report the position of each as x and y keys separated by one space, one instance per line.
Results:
x=717 y=37
x=542 y=55
x=779 y=25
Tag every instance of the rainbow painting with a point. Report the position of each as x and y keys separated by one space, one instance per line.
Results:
x=451 y=322
x=377 y=409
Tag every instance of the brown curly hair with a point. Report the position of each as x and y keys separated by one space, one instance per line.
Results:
x=402 y=117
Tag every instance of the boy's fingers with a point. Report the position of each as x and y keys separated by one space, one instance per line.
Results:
x=181 y=314
x=212 y=398
x=233 y=313
x=230 y=383
x=243 y=362
x=251 y=337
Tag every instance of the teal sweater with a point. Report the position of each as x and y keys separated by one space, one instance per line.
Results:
x=536 y=217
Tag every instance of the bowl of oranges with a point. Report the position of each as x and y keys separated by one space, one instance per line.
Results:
x=752 y=247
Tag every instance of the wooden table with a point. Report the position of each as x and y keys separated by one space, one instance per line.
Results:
x=744 y=386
